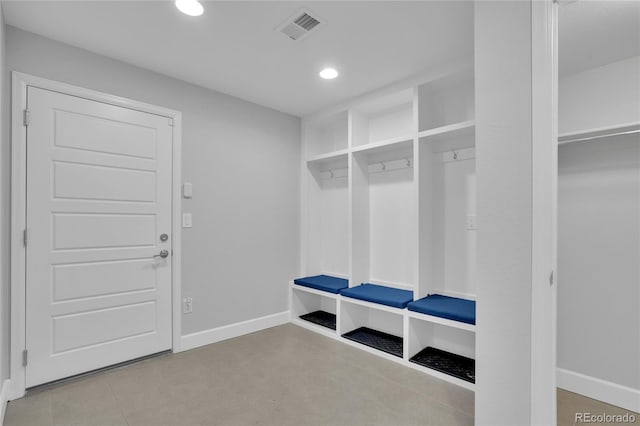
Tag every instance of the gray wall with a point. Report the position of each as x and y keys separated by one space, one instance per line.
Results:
x=599 y=226
x=598 y=252
x=243 y=161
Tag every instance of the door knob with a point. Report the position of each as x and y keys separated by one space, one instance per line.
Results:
x=162 y=254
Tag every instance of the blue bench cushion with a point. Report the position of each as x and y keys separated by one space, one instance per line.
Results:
x=379 y=294
x=452 y=308
x=323 y=283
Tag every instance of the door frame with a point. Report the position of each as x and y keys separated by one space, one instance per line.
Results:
x=20 y=82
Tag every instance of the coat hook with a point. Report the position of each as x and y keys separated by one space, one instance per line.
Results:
x=455 y=154
x=384 y=166
x=331 y=174
x=408 y=162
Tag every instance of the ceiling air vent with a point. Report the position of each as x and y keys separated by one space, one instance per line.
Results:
x=300 y=25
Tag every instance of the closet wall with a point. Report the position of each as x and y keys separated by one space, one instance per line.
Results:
x=599 y=234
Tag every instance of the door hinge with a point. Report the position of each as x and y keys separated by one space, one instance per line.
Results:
x=551 y=278
x=25 y=236
x=25 y=354
x=25 y=117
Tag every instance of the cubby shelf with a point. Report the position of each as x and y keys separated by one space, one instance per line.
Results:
x=373 y=351
x=464 y=128
x=442 y=376
x=377 y=306
x=388 y=194
x=314 y=327
x=385 y=145
x=313 y=291
x=441 y=321
x=305 y=300
x=358 y=313
x=329 y=157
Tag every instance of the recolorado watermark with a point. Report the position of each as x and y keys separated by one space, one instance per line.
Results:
x=604 y=418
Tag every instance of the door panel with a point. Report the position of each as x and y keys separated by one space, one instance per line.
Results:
x=77 y=330
x=124 y=184
x=82 y=280
x=98 y=198
x=109 y=135
x=90 y=230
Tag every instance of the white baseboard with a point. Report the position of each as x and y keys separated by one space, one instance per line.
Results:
x=214 y=335
x=611 y=393
x=4 y=397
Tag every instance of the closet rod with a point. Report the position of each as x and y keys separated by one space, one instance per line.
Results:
x=562 y=141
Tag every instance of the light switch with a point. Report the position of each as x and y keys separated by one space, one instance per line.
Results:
x=187 y=190
x=186 y=220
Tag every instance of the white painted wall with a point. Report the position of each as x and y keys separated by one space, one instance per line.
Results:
x=455 y=245
x=392 y=227
x=600 y=97
x=328 y=218
x=599 y=229
x=503 y=115
x=243 y=161
x=515 y=145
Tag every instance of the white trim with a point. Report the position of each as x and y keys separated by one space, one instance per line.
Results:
x=176 y=230
x=20 y=82
x=320 y=293
x=372 y=305
x=602 y=390
x=18 y=195
x=4 y=398
x=441 y=321
x=213 y=335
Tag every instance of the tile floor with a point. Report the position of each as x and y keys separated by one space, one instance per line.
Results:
x=281 y=376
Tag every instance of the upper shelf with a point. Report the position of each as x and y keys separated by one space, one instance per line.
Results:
x=600 y=132
x=330 y=160
x=444 y=133
x=385 y=145
x=329 y=156
x=453 y=136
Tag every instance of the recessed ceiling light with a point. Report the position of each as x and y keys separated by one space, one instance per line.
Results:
x=190 y=7
x=328 y=73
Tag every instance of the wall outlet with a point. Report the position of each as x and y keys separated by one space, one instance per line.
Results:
x=187 y=305
x=471 y=222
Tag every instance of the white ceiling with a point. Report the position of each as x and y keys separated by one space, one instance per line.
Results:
x=233 y=47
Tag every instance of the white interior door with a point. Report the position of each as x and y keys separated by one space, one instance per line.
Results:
x=98 y=201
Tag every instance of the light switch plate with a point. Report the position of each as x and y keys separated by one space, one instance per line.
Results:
x=187 y=220
x=187 y=190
